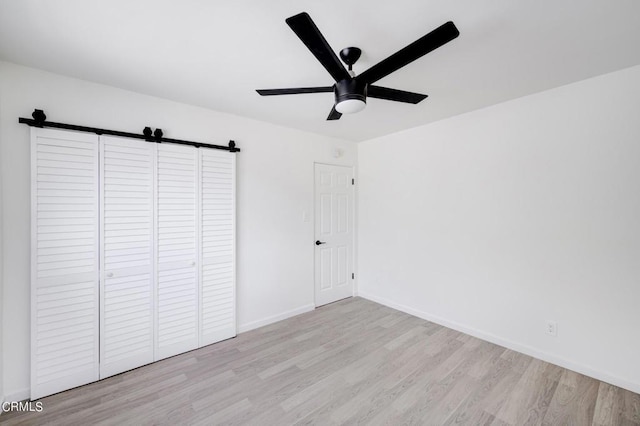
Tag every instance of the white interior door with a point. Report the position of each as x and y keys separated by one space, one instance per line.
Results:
x=177 y=250
x=64 y=260
x=333 y=233
x=127 y=281
x=217 y=224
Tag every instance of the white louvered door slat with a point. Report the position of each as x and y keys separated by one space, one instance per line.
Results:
x=64 y=260
x=217 y=224
x=177 y=250
x=127 y=237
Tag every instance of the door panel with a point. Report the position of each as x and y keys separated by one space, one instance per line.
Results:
x=127 y=283
x=64 y=260
x=217 y=222
x=334 y=229
x=177 y=250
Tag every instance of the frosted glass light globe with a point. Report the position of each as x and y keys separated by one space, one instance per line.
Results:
x=350 y=106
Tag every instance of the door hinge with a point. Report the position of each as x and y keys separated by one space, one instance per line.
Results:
x=353 y=181
x=353 y=276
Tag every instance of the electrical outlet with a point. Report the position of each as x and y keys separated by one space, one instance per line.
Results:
x=552 y=328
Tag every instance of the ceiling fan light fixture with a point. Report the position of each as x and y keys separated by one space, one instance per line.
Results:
x=350 y=106
x=351 y=96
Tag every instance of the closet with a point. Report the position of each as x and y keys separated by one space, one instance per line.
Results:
x=133 y=254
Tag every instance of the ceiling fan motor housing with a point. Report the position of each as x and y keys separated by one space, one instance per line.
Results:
x=350 y=89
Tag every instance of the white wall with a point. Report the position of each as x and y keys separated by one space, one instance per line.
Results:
x=275 y=185
x=495 y=221
x=1 y=273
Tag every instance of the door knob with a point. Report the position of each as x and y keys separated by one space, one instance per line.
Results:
x=318 y=242
x=109 y=274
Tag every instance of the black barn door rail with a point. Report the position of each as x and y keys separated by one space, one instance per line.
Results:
x=39 y=120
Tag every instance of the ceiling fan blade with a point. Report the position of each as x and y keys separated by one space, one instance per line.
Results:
x=394 y=95
x=427 y=43
x=294 y=90
x=306 y=30
x=334 y=115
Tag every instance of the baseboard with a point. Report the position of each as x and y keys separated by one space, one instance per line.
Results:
x=509 y=344
x=275 y=318
x=19 y=395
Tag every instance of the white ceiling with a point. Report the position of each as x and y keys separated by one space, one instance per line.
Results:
x=215 y=53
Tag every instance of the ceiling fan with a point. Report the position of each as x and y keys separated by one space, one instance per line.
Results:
x=351 y=91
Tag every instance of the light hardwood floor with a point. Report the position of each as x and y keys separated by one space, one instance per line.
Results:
x=351 y=362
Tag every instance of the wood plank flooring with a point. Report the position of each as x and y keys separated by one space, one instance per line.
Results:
x=351 y=362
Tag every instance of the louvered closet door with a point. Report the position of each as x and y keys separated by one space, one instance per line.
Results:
x=177 y=250
x=127 y=282
x=64 y=260
x=218 y=296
